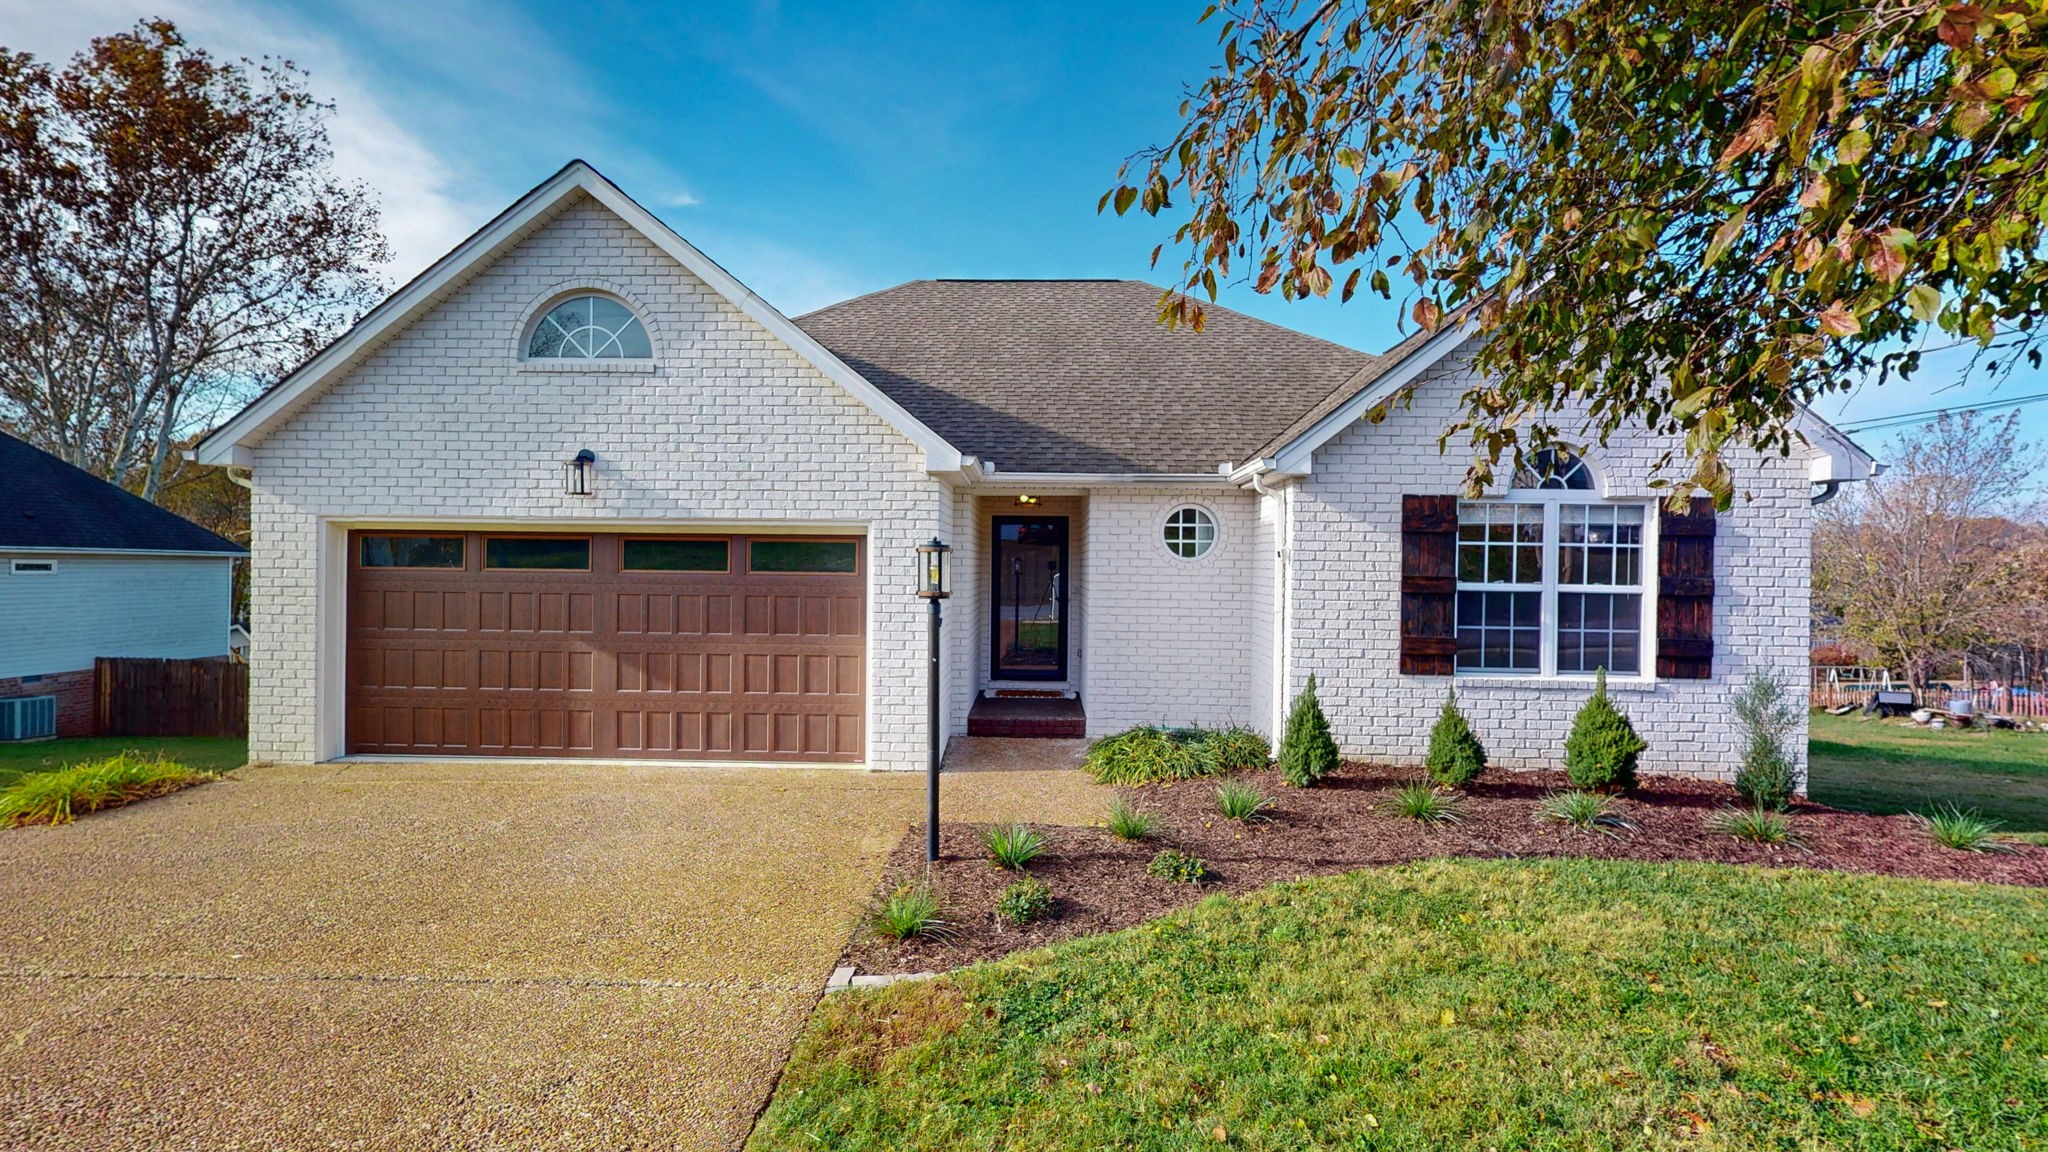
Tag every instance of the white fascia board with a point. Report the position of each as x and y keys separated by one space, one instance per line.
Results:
x=259 y=418
x=9 y=550
x=1101 y=479
x=1835 y=458
x=1297 y=457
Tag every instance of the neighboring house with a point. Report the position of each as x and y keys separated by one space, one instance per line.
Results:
x=89 y=570
x=1158 y=526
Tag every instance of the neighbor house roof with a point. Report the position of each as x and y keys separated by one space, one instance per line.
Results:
x=1080 y=375
x=52 y=506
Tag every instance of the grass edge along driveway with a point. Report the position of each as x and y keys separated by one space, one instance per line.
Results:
x=1555 y=1004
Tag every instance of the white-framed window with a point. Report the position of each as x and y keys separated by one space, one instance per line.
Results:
x=1190 y=532
x=1551 y=583
x=589 y=327
x=33 y=567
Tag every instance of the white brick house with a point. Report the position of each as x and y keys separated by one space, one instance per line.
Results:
x=1147 y=526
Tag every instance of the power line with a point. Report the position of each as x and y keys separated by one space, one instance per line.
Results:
x=1876 y=423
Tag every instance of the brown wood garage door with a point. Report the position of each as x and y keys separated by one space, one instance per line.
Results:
x=636 y=647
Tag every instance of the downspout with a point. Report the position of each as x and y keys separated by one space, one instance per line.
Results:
x=1829 y=489
x=1284 y=571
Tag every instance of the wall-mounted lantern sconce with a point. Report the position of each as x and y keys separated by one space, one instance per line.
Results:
x=1027 y=499
x=576 y=473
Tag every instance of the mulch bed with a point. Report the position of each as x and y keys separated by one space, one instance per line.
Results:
x=1101 y=884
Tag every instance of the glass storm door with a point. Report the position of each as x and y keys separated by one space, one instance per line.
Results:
x=1029 y=602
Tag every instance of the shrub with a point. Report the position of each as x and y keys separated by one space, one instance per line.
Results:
x=1600 y=754
x=1767 y=777
x=1758 y=825
x=1024 y=901
x=1179 y=867
x=909 y=912
x=1588 y=810
x=1242 y=802
x=1427 y=803
x=1013 y=846
x=1307 y=753
x=1148 y=756
x=1234 y=749
x=1964 y=830
x=1455 y=754
x=62 y=796
x=1127 y=823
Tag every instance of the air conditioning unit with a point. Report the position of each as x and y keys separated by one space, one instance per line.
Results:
x=28 y=718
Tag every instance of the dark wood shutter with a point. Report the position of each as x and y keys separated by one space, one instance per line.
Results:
x=1685 y=591
x=1429 y=585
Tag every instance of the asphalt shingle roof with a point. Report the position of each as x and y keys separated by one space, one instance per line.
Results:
x=46 y=503
x=1080 y=376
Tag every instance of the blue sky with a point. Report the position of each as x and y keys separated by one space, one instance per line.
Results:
x=817 y=150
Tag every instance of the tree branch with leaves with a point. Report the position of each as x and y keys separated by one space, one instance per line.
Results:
x=1692 y=216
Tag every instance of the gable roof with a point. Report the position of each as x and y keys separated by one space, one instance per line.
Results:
x=53 y=506
x=1079 y=376
x=229 y=443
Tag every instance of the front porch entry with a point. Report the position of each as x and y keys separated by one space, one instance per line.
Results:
x=1031 y=609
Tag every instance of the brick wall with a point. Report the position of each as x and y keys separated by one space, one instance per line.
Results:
x=1344 y=604
x=1173 y=641
x=74 y=693
x=444 y=421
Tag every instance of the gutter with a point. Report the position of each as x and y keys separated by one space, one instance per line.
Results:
x=990 y=475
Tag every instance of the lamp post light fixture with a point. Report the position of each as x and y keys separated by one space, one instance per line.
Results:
x=935 y=583
x=576 y=473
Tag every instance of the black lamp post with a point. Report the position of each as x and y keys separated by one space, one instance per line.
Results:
x=935 y=584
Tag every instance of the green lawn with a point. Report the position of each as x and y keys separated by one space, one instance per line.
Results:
x=206 y=753
x=1561 y=1004
x=1881 y=766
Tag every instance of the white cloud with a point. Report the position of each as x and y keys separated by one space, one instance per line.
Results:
x=423 y=215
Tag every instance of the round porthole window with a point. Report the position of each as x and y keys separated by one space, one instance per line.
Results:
x=1190 y=533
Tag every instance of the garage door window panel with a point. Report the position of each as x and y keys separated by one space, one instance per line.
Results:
x=409 y=551
x=537 y=553
x=833 y=557
x=673 y=555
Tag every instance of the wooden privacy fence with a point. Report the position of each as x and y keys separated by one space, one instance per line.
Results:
x=171 y=697
x=2017 y=702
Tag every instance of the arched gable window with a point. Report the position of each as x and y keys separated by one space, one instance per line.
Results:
x=1554 y=468
x=589 y=328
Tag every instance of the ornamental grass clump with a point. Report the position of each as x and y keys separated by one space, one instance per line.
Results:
x=1767 y=778
x=1426 y=803
x=62 y=796
x=910 y=912
x=1128 y=824
x=1242 y=803
x=1587 y=810
x=1152 y=755
x=1455 y=755
x=1308 y=753
x=1600 y=754
x=1758 y=825
x=1234 y=749
x=1013 y=846
x=1965 y=830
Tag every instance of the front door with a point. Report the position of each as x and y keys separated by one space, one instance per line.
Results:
x=1028 y=618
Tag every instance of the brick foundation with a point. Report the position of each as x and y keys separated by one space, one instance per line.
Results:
x=74 y=693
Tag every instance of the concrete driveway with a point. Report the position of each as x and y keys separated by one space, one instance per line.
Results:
x=439 y=956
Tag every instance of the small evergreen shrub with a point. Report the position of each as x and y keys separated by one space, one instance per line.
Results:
x=1427 y=803
x=1307 y=753
x=1127 y=823
x=1767 y=778
x=1242 y=802
x=1179 y=867
x=1600 y=754
x=1013 y=846
x=1455 y=755
x=1026 y=900
x=909 y=912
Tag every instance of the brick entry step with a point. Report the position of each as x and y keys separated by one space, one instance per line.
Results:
x=1013 y=716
